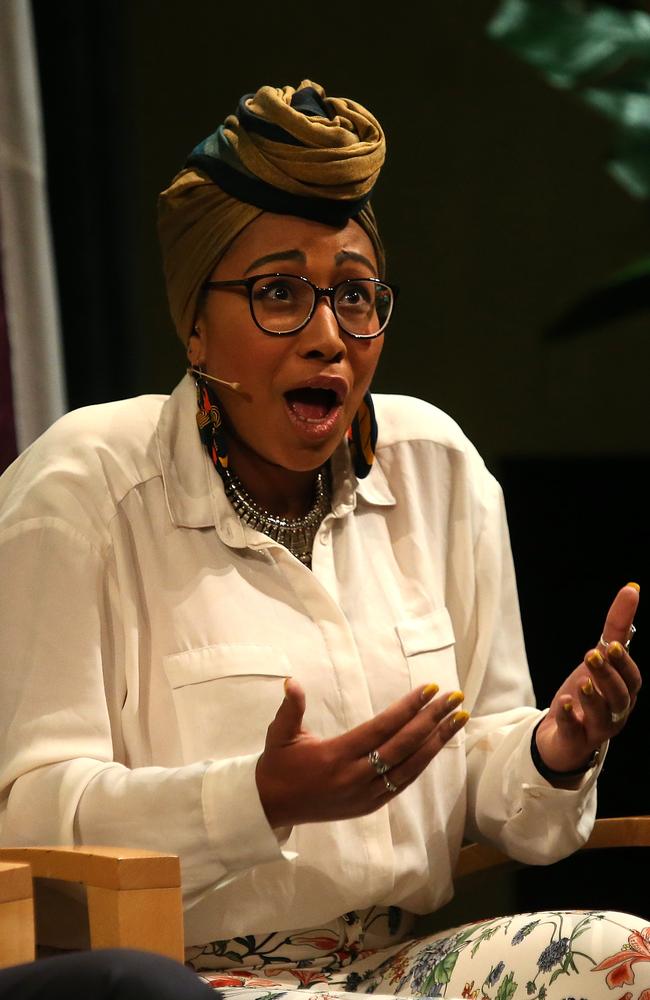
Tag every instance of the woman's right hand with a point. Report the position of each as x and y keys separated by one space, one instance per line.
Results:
x=303 y=779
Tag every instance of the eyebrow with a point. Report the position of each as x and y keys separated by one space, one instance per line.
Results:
x=298 y=255
x=344 y=255
x=280 y=255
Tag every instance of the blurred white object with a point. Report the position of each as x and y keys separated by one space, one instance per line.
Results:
x=27 y=263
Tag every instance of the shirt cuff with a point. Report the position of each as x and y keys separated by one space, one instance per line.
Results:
x=238 y=830
x=533 y=778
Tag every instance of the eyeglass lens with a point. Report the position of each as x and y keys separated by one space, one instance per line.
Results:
x=282 y=303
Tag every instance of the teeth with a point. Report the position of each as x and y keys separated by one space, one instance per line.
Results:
x=312 y=420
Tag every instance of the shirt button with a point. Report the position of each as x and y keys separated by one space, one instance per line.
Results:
x=324 y=538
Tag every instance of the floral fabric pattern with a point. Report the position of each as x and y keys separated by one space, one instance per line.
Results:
x=554 y=955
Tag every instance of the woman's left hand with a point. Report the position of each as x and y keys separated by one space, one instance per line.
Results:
x=595 y=701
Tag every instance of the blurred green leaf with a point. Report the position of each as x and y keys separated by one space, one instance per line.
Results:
x=568 y=43
x=601 y=53
x=630 y=162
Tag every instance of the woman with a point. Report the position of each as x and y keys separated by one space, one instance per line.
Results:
x=251 y=639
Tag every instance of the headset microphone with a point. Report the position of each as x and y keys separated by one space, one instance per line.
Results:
x=233 y=386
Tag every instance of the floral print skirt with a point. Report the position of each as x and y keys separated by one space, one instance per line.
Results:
x=550 y=955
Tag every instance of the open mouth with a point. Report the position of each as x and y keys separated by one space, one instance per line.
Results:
x=311 y=404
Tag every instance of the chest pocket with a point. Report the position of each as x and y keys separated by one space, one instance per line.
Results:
x=225 y=697
x=428 y=643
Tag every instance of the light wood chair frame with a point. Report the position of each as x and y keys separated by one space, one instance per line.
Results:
x=134 y=896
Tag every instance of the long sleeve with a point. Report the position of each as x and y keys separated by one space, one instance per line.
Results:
x=147 y=632
x=509 y=802
x=64 y=775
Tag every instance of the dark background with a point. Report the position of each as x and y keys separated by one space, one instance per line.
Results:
x=497 y=213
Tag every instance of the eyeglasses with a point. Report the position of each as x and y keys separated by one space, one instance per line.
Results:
x=282 y=304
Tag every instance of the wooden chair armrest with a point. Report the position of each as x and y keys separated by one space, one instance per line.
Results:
x=624 y=831
x=17 y=943
x=106 y=867
x=134 y=896
x=479 y=857
x=627 y=831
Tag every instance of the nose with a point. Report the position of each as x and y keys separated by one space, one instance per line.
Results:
x=322 y=337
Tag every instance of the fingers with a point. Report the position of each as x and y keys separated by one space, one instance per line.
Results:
x=591 y=706
x=619 y=664
x=410 y=738
x=415 y=729
x=287 y=724
x=401 y=775
x=361 y=740
x=621 y=615
x=615 y=674
x=616 y=678
x=408 y=752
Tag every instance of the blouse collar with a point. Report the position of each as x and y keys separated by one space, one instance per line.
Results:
x=194 y=491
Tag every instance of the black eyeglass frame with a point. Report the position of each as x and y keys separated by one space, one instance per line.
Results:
x=318 y=294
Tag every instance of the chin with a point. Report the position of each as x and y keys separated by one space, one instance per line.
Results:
x=306 y=458
x=306 y=461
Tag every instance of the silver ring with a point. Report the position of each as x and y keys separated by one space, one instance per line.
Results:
x=619 y=716
x=379 y=765
x=390 y=787
x=630 y=635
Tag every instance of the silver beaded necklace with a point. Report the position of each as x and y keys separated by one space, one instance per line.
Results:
x=296 y=534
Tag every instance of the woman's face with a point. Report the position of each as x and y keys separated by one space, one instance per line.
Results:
x=285 y=419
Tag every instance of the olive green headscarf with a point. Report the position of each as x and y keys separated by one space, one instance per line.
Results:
x=291 y=151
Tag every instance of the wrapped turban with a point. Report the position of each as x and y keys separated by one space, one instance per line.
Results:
x=290 y=151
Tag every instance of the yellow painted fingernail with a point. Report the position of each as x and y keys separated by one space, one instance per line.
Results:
x=286 y=684
x=429 y=691
x=615 y=649
x=594 y=659
x=635 y=585
x=567 y=706
x=587 y=688
x=455 y=698
x=459 y=718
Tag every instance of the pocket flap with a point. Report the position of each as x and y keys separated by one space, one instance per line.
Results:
x=194 y=666
x=420 y=635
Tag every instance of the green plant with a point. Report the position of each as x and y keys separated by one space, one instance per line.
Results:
x=601 y=53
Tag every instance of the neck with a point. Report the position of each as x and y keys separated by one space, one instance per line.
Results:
x=281 y=491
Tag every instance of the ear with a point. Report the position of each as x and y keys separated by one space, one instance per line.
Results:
x=196 y=346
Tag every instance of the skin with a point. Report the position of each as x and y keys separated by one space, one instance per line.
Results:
x=607 y=681
x=301 y=778
x=278 y=465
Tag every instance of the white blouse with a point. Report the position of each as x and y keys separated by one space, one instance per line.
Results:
x=146 y=633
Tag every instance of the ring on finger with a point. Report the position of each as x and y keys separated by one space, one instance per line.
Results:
x=378 y=762
x=390 y=787
x=630 y=635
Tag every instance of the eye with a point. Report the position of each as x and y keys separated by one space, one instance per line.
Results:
x=356 y=294
x=279 y=290
x=273 y=290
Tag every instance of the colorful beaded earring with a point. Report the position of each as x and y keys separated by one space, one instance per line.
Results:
x=362 y=435
x=208 y=418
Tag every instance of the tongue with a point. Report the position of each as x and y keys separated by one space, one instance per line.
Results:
x=310 y=404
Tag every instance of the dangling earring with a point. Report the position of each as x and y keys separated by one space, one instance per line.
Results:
x=362 y=435
x=208 y=418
